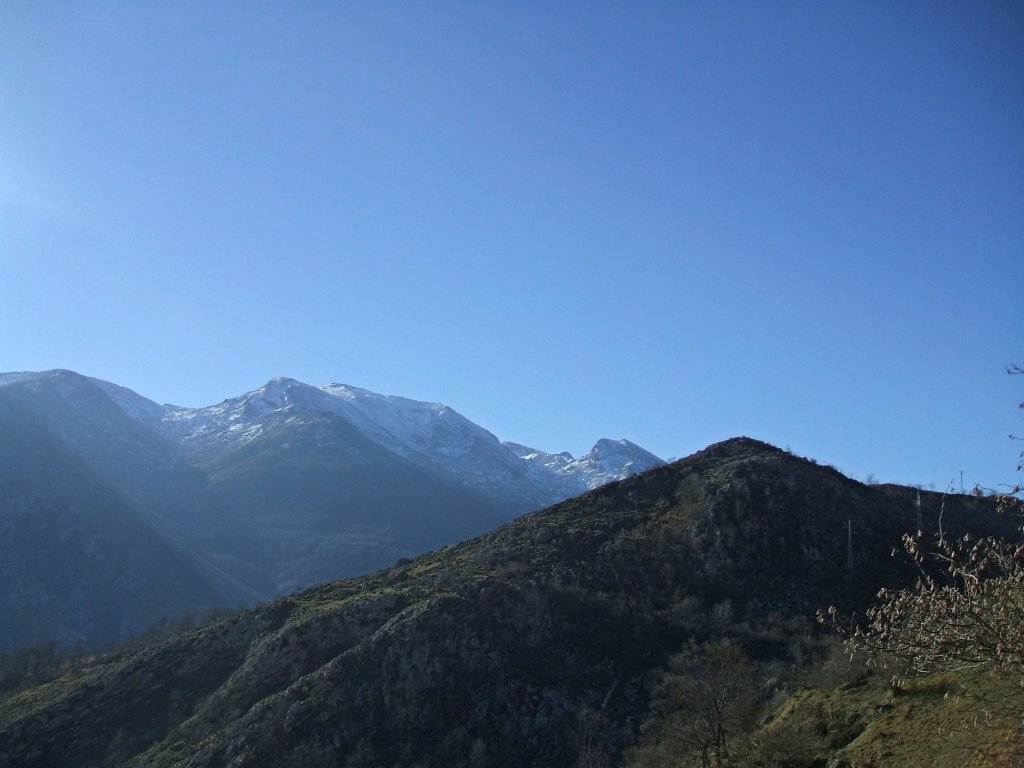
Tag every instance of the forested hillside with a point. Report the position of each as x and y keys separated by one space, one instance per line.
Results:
x=554 y=640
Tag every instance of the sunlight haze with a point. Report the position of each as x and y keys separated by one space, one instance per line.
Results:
x=668 y=222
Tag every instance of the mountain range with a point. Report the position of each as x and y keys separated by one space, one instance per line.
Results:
x=160 y=509
x=563 y=638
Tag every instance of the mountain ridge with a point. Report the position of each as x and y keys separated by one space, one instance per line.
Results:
x=410 y=428
x=498 y=650
x=286 y=485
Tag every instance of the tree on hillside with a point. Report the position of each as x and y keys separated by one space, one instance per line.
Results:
x=967 y=614
x=708 y=698
x=965 y=611
x=1016 y=370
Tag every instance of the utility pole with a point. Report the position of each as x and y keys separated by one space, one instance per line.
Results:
x=920 y=524
x=849 y=549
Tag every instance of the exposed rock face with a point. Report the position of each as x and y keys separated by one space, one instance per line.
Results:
x=514 y=649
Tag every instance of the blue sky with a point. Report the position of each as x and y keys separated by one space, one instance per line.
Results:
x=672 y=222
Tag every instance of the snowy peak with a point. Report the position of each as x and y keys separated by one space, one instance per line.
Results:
x=605 y=450
x=526 y=452
x=431 y=435
x=60 y=379
x=612 y=460
x=408 y=426
x=437 y=437
x=607 y=461
x=15 y=377
x=92 y=399
x=551 y=464
x=237 y=421
x=135 y=405
x=279 y=393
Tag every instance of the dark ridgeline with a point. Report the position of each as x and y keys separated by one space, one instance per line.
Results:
x=530 y=645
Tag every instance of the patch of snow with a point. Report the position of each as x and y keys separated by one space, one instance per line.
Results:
x=132 y=403
x=17 y=376
x=432 y=435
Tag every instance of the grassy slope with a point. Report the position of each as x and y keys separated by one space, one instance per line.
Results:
x=945 y=721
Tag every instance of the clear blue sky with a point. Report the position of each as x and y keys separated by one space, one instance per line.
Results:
x=672 y=222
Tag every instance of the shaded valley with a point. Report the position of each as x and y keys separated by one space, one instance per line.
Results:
x=277 y=489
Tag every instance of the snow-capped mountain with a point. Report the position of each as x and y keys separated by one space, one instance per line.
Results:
x=608 y=460
x=612 y=460
x=432 y=435
x=429 y=434
x=292 y=484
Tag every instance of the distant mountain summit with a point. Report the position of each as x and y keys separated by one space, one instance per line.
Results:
x=431 y=435
x=608 y=460
x=284 y=486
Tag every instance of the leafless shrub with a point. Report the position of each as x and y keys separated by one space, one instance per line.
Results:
x=966 y=610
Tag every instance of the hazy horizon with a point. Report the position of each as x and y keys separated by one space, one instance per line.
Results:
x=802 y=223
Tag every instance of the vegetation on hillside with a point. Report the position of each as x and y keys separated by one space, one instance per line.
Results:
x=38 y=663
x=662 y=620
x=933 y=675
x=967 y=614
x=964 y=614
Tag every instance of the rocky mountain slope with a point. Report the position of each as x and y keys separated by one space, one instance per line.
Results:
x=538 y=644
x=284 y=486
